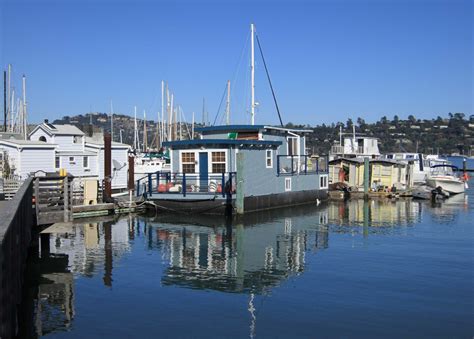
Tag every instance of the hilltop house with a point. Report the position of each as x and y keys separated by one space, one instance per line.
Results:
x=82 y=155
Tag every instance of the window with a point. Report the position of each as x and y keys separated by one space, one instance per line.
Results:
x=188 y=161
x=72 y=160
x=292 y=146
x=218 y=162
x=77 y=139
x=86 y=162
x=42 y=138
x=57 y=162
x=323 y=182
x=269 y=158
x=287 y=184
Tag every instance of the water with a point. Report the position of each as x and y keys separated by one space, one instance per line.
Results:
x=391 y=269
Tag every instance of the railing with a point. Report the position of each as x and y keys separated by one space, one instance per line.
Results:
x=16 y=221
x=342 y=150
x=187 y=183
x=303 y=164
x=53 y=199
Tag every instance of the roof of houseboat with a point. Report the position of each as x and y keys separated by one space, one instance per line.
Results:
x=221 y=142
x=246 y=128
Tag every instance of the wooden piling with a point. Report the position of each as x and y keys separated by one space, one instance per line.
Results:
x=366 y=176
x=108 y=165
x=239 y=201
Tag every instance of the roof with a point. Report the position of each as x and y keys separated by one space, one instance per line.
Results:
x=76 y=153
x=58 y=129
x=220 y=142
x=247 y=128
x=96 y=142
x=20 y=143
x=361 y=161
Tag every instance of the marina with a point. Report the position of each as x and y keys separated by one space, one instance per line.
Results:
x=168 y=170
x=256 y=276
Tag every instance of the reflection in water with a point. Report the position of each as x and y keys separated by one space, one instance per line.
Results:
x=250 y=256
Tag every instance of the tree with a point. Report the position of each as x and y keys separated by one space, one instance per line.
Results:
x=360 y=122
x=412 y=119
x=349 y=123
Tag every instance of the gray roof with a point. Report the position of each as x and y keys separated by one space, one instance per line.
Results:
x=100 y=142
x=26 y=143
x=64 y=130
x=76 y=153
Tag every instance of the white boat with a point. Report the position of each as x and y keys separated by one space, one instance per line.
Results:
x=145 y=164
x=421 y=168
x=443 y=176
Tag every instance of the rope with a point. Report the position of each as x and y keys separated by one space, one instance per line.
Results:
x=269 y=81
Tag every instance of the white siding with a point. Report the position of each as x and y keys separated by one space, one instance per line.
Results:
x=34 y=159
x=119 y=177
x=66 y=143
x=77 y=168
x=39 y=133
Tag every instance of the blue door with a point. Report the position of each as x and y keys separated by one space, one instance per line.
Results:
x=203 y=171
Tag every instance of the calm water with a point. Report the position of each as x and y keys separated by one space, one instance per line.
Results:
x=391 y=269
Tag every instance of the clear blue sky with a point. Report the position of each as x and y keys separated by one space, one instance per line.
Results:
x=329 y=60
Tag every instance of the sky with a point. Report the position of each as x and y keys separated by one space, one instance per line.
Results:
x=328 y=60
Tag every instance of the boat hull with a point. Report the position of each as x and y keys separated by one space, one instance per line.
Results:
x=448 y=184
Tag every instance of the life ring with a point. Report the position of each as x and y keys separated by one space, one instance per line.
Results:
x=465 y=176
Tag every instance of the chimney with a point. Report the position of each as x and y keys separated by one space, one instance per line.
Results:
x=46 y=121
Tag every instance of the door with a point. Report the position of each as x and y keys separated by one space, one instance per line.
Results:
x=203 y=171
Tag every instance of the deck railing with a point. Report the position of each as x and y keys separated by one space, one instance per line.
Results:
x=301 y=164
x=187 y=183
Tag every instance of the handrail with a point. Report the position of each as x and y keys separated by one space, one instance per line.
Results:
x=288 y=165
x=186 y=183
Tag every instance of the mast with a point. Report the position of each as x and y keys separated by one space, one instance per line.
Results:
x=171 y=119
x=162 y=112
x=252 y=73
x=180 y=123
x=192 y=129
x=111 y=121
x=227 y=107
x=4 y=101
x=135 y=132
x=204 y=118
x=23 y=112
x=145 y=134
x=9 y=97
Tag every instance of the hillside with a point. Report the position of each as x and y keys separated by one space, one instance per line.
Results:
x=452 y=134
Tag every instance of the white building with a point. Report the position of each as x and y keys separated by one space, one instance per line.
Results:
x=83 y=156
x=355 y=146
x=26 y=156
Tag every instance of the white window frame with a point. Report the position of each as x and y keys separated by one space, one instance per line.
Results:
x=288 y=145
x=220 y=162
x=269 y=158
x=287 y=184
x=323 y=181
x=196 y=157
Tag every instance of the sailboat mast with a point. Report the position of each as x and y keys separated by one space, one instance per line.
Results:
x=4 y=101
x=145 y=135
x=227 y=109
x=111 y=121
x=162 y=112
x=9 y=97
x=24 y=120
x=135 y=132
x=252 y=73
x=192 y=129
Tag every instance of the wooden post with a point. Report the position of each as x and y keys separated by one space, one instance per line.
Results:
x=131 y=172
x=108 y=165
x=66 y=198
x=239 y=201
x=366 y=176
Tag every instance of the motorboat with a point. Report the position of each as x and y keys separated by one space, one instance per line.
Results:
x=444 y=176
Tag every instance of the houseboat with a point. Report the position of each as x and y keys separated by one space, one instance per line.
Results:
x=238 y=168
x=354 y=146
x=384 y=174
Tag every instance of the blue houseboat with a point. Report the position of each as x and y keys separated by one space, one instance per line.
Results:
x=238 y=168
